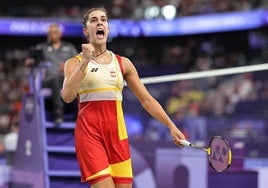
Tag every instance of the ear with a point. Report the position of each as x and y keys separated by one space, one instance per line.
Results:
x=85 y=31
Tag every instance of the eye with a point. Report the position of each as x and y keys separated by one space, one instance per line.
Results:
x=92 y=20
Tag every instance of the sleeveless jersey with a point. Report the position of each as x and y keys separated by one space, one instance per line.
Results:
x=101 y=138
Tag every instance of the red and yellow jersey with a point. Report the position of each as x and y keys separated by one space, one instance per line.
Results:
x=101 y=137
x=102 y=82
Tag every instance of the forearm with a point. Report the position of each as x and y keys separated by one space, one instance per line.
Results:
x=71 y=84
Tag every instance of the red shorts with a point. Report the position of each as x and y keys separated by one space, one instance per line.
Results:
x=101 y=143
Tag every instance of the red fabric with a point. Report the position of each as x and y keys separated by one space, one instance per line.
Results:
x=97 y=141
x=96 y=138
x=122 y=180
x=119 y=59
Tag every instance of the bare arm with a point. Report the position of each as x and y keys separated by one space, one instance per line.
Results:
x=147 y=101
x=73 y=75
x=74 y=72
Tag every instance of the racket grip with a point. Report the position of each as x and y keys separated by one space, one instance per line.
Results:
x=185 y=143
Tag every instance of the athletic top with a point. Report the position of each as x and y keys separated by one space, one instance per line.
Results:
x=109 y=87
x=103 y=83
x=101 y=139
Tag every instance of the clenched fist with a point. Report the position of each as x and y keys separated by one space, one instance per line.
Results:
x=87 y=51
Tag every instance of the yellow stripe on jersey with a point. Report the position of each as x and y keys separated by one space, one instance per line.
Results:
x=99 y=174
x=122 y=131
x=79 y=56
x=98 y=90
x=121 y=169
x=106 y=78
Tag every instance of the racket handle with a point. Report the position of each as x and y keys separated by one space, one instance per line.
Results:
x=185 y=143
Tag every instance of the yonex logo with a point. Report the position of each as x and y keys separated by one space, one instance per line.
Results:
x=219 y=154
x=94 y=70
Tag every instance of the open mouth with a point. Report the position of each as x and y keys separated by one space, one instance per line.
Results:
x=100 y=33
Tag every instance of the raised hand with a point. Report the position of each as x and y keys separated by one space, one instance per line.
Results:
x=88 y=52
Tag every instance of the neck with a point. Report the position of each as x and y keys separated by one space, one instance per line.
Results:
x=56 y=44
x=99 y=48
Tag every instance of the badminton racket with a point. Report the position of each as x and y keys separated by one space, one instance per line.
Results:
x=219 y=152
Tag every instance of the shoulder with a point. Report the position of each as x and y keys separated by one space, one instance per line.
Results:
x=126 y=61
x=42 y=45
x=128 y=66
x=78 y=56
x=64 y=43
x=66 y=46
x=70 y=64
x=123 y=59
x=75 y=59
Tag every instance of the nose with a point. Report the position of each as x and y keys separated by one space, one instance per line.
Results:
x=99 y=22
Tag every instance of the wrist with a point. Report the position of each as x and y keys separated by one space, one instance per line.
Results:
x=82 y=69
x=86 y=60
x=171 y=126
x=83 y=65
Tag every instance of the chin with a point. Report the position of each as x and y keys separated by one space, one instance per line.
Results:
x=98 y=42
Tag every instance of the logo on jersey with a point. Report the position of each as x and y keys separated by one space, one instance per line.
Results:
x=94 y=69
x=112 y=72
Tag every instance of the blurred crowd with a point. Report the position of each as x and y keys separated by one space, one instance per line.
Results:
x=190 y=98
x=196 y=53
x=190 y=102
x=184 y=98
x=13 y=83
x=134 y=9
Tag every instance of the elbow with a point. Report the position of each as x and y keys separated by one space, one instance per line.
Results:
x=66 y=98
x=147 y=103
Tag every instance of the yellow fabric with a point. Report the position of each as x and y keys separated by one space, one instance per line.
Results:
x=98 y=90
x=110 y=74
x=100 y=173
x=121 y=122
x=107 y=81
x=79 y=56
x=122 y=170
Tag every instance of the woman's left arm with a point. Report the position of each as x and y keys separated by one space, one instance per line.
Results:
x=147 y=101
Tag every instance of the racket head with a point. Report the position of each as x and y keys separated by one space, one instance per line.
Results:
x=219 y=154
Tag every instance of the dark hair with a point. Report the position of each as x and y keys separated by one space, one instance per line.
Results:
x=85 y=17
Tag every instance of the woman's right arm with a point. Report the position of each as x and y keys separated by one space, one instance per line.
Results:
x=74 y=72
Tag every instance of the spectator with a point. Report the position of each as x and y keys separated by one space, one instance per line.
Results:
x=133 y=9
x=204 y=53
x=54 y=53
x=10 y=143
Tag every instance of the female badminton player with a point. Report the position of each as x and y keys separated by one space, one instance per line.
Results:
x=96 y=76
